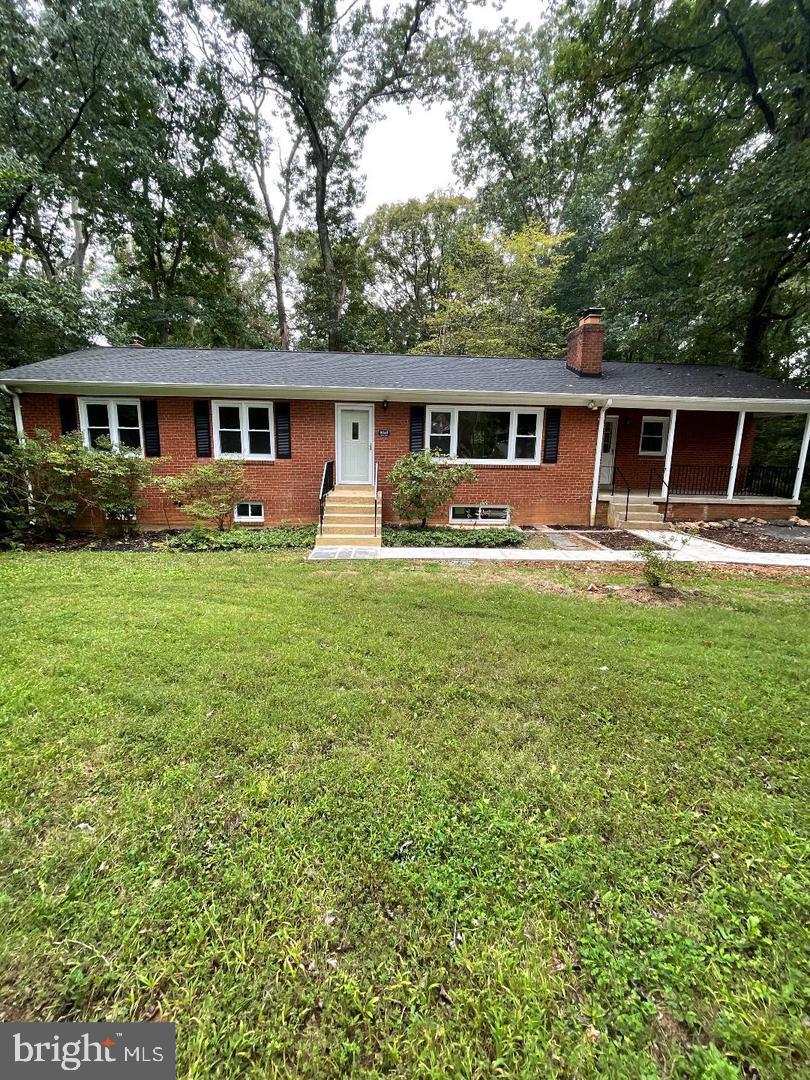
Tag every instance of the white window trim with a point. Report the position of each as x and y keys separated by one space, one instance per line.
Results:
x=664 y=435
x=243 y=407
x=112 y=417
x=478 y=520
x=510 y=459
x=249 y=520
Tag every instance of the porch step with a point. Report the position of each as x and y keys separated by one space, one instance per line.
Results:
x=343 y=517
x=640 y=512
x=363 y=490
x=348 y=518
x=345 y=528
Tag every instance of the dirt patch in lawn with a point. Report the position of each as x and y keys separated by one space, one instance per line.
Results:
x=527 y=576
x=754 y=536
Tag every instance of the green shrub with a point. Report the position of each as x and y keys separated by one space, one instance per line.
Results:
x=207 y=492
x=422 y=484
x=46 y=483
x=289 y=537
x=402 y=536
x=116 y=479
x=44 y=486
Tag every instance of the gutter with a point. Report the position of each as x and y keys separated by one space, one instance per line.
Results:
x=18 y=418
x=588 y=394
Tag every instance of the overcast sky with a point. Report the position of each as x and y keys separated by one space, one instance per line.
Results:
x=409 y=153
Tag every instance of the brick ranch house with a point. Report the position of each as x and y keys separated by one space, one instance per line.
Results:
x=567 y=440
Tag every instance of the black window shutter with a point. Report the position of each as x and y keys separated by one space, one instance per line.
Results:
x=552 y=436
x=68 y=415
x=417 y=428
x=151 y=431
x=202 y=428
x=281 y=412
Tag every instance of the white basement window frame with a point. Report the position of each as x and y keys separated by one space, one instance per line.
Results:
x=653 y=439
x=479 y=514
x=243 y=427
x=250 y=512
x=442 y=433
x=114 y=418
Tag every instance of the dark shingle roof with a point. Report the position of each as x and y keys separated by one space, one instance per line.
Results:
x=236 y=368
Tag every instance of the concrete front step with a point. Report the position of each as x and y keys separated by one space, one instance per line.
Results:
x=348 y=530
x=350 y=504
x=337 y=517
x=333 y=541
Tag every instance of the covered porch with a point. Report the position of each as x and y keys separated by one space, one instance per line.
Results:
x=688 y=464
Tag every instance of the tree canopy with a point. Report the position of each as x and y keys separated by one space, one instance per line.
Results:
x=191 y=174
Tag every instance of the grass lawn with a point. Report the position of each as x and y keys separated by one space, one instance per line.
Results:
x=379 y=819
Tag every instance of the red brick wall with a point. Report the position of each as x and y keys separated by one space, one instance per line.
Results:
x=701 y=438
x=538 y=494
x=723 y=511
x=288 y=488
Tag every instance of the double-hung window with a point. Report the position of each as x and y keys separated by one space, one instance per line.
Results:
x=485 y=435
x=118 y=420
x=243 y=429
x=654 y=431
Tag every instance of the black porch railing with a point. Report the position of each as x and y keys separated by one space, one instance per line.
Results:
x=327 y=483
x=768 y=481
x=619 y=476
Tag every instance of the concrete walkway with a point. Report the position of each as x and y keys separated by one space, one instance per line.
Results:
x=682 y=548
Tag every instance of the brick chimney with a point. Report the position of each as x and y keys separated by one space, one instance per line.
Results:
x=586 y=344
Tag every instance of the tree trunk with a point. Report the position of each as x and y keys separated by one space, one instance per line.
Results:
x=278 y=281
x=757 y=324
x=327 y=261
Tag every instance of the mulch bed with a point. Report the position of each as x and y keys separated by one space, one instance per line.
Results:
x=748 y=538
x=95 y=542
x=619 y=540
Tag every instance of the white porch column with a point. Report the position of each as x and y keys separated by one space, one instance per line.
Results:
x=735 y=456
x=797 y=487
x=600 y=434
x=673 y=416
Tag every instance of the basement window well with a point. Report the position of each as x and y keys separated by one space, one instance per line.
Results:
x=479 y=515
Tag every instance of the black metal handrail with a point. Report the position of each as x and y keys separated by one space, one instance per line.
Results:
x=665 y=489
x=376 y=487
x=770 y=481
x=327 y=483
x=618 y=471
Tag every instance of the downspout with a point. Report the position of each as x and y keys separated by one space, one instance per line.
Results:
x=597 y=461
x=18 y=418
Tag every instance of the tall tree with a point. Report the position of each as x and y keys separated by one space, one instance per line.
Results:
x=708 y=254
x=500 y=297
x=180 y=208
x=67 y=73
x=257 y=145
x=525 y=152
x=335 y=70
x=411 y=247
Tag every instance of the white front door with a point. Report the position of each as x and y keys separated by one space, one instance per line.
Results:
x=608 y=451
x=354 y=444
